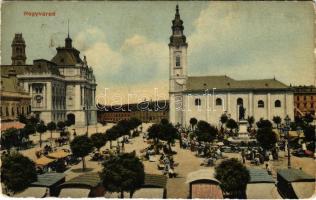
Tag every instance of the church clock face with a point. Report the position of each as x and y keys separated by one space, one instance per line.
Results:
x=38 y=98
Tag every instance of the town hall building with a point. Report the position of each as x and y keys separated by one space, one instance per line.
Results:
x=60 y=89
x=208 y=97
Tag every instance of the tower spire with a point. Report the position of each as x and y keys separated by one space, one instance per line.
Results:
x=68 y=40
x=177 y=38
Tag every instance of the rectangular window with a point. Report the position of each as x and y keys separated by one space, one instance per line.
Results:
x=178 y=61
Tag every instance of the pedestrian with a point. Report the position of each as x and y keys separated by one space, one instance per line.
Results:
x=243 y=156
x=270 y=157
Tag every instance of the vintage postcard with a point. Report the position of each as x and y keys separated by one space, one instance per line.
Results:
x=158 y=99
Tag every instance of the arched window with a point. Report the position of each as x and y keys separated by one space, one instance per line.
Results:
x=277 y=104
x=178 y=64
x=240 y=102
x=197 y=102
x=260 y=104
x=218 y=102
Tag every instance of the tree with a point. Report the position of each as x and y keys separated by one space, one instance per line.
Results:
x=23 y=119
x=266 y=137
x=205 y=132
x=10 y=138
x=164 y=121
x=223 y=119
x=264 y=123
x=308 y=118
x=123 y=173
x=98 y=140
x=309 y=133
x=251 y=120
x=29 y=129
x=233 y=177
x=193 y=122
x=124 y=127
x=134 y=122
x=277 y=120
x=68 y=123
x=112 y=134
x=17 y=171
x=34 y=120
x=231 y=124
x=51 y=126
x=168 y=133
x=61 y=125
x=41 y=128
x=81 y=146
x=154 y=132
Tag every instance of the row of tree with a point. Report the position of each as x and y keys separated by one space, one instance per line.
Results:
x=81 y=146
x=163 y=131
x=123 y=127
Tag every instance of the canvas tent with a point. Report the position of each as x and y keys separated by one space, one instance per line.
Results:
x=295 y=183
x=90 y=181
x=149 y=193
x=50 y=181
x=260 y=181
x=74 y=193
x=44 y=161
x=58 y=154
x=155 y=186
x=203 y=185
x=36 y=192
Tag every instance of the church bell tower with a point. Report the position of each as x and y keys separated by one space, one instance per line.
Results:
x=18 y=50
x=177 y=68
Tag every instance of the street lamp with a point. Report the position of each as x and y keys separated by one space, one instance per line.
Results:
x=287 y=129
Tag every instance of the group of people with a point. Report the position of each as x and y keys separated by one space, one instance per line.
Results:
x=169 y=165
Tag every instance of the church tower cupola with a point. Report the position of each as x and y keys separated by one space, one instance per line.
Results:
x=18 y=50
x=177 y=38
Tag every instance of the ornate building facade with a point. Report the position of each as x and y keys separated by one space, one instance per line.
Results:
x=148 y=111
x=304 y=100
x=60 y=89
x=208 y=97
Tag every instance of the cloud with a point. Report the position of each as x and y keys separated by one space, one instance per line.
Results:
x=242 y=39
x=137 y=63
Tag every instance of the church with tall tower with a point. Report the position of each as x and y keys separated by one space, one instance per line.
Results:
x=208 y=97
x=60 y=89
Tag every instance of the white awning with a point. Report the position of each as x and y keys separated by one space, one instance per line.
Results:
x=254 y=191
x=303 y=190
x=149 y=193
x=74 y=193
x=36 y=192
x=202 y=174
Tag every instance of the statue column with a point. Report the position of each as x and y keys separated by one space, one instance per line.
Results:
x=269 y=106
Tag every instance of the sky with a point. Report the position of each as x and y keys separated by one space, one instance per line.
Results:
x=126 y=43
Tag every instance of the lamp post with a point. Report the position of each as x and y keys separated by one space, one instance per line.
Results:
x=287 y=129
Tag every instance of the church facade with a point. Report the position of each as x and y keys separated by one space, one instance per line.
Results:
x=60 y=89
x=208 y=97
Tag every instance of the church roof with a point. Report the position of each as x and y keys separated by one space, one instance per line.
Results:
x=196 y=83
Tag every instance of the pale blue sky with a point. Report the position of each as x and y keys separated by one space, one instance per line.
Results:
x=127 y=42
